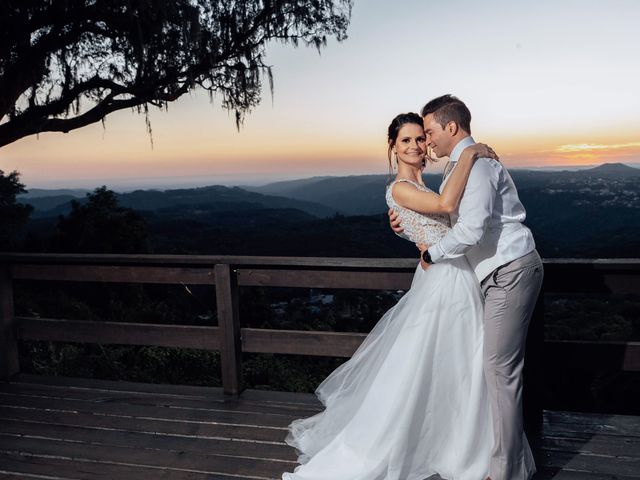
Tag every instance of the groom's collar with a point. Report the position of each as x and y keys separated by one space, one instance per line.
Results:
x=460 y=146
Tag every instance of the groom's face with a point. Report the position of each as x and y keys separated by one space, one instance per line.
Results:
x=438 y=138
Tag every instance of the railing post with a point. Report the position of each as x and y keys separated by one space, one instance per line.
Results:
x=9 y=364
x=533 y=390
x=229 y=328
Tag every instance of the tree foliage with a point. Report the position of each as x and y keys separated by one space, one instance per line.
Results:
x=68 y=63
x=13 y=215
x=101 y=225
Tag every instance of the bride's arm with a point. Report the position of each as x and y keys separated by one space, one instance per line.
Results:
x=409 y=197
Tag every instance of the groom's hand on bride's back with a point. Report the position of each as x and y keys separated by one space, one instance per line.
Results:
x=394 y=221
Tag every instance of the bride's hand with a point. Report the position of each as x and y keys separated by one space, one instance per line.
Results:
x=481 y=150
x=394 y=221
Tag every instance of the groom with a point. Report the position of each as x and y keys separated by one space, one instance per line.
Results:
x=488 y=230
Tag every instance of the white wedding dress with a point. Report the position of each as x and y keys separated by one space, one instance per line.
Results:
x=412 y=401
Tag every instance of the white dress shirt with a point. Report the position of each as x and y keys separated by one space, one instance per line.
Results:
x=487 y=227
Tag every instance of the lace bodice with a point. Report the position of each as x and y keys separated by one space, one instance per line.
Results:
x=419 y=227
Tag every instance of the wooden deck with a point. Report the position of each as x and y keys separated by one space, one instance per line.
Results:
x=63 y=428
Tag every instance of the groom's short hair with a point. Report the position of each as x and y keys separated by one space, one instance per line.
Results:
x=448 y=108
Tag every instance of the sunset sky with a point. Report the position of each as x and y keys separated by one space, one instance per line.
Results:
x=548 y=83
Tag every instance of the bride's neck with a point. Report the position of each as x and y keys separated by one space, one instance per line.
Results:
x=410 y=173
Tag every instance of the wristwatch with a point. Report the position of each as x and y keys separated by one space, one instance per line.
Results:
x=426 y=256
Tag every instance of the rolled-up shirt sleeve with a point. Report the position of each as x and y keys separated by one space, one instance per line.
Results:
x=475 y=211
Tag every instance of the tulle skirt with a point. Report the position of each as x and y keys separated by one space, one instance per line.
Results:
x=412 y=401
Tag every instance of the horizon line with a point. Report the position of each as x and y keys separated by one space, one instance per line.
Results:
x=246 y=180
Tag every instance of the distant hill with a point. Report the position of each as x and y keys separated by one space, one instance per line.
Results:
x=351 y=195
x=191 y=201
x=53 y=203
x=611 y=169
x=42 y=192
x=56 y=201
x=285 y=187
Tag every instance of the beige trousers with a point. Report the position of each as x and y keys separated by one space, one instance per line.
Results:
x=510 y=293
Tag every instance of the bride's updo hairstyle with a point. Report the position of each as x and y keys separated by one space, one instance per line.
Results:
x=394 y=128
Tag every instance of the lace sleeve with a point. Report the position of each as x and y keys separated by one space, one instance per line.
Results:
x=418 y=227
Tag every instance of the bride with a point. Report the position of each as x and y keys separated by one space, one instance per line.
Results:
x=412 y=401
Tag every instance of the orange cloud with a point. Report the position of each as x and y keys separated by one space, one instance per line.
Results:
x=590 y=147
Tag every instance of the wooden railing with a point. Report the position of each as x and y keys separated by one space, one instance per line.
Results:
x=227 y=273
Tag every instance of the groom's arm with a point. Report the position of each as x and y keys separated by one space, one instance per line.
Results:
x=475 y=211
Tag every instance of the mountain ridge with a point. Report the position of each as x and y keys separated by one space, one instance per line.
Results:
x=214 y=197
x=320 y=196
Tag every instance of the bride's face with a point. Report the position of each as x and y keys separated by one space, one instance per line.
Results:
x=411 y=144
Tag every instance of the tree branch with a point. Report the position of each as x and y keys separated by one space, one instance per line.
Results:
x=10 y=133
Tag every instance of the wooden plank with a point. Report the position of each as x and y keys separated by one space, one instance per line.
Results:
x=623 y=356
x=229 y=326
x=17 y=466
x=592 y=277
x=566 y=429
x=22 y=476
x=621 y=283
x=149 y=440
x=325 y=279
x=333 y=344
x=589 y=443
x=132 y=398
x=308 y=400
x=628 y=264
x=582 y=462
x=9 y=362
x=82 y=331
x=250 y=416
x=142 y=425
x=270 y=396
x=120 y=274
x=212 y=463
x=117 y=385
x=592 y=423
x=557 y=474
x=206 y=260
